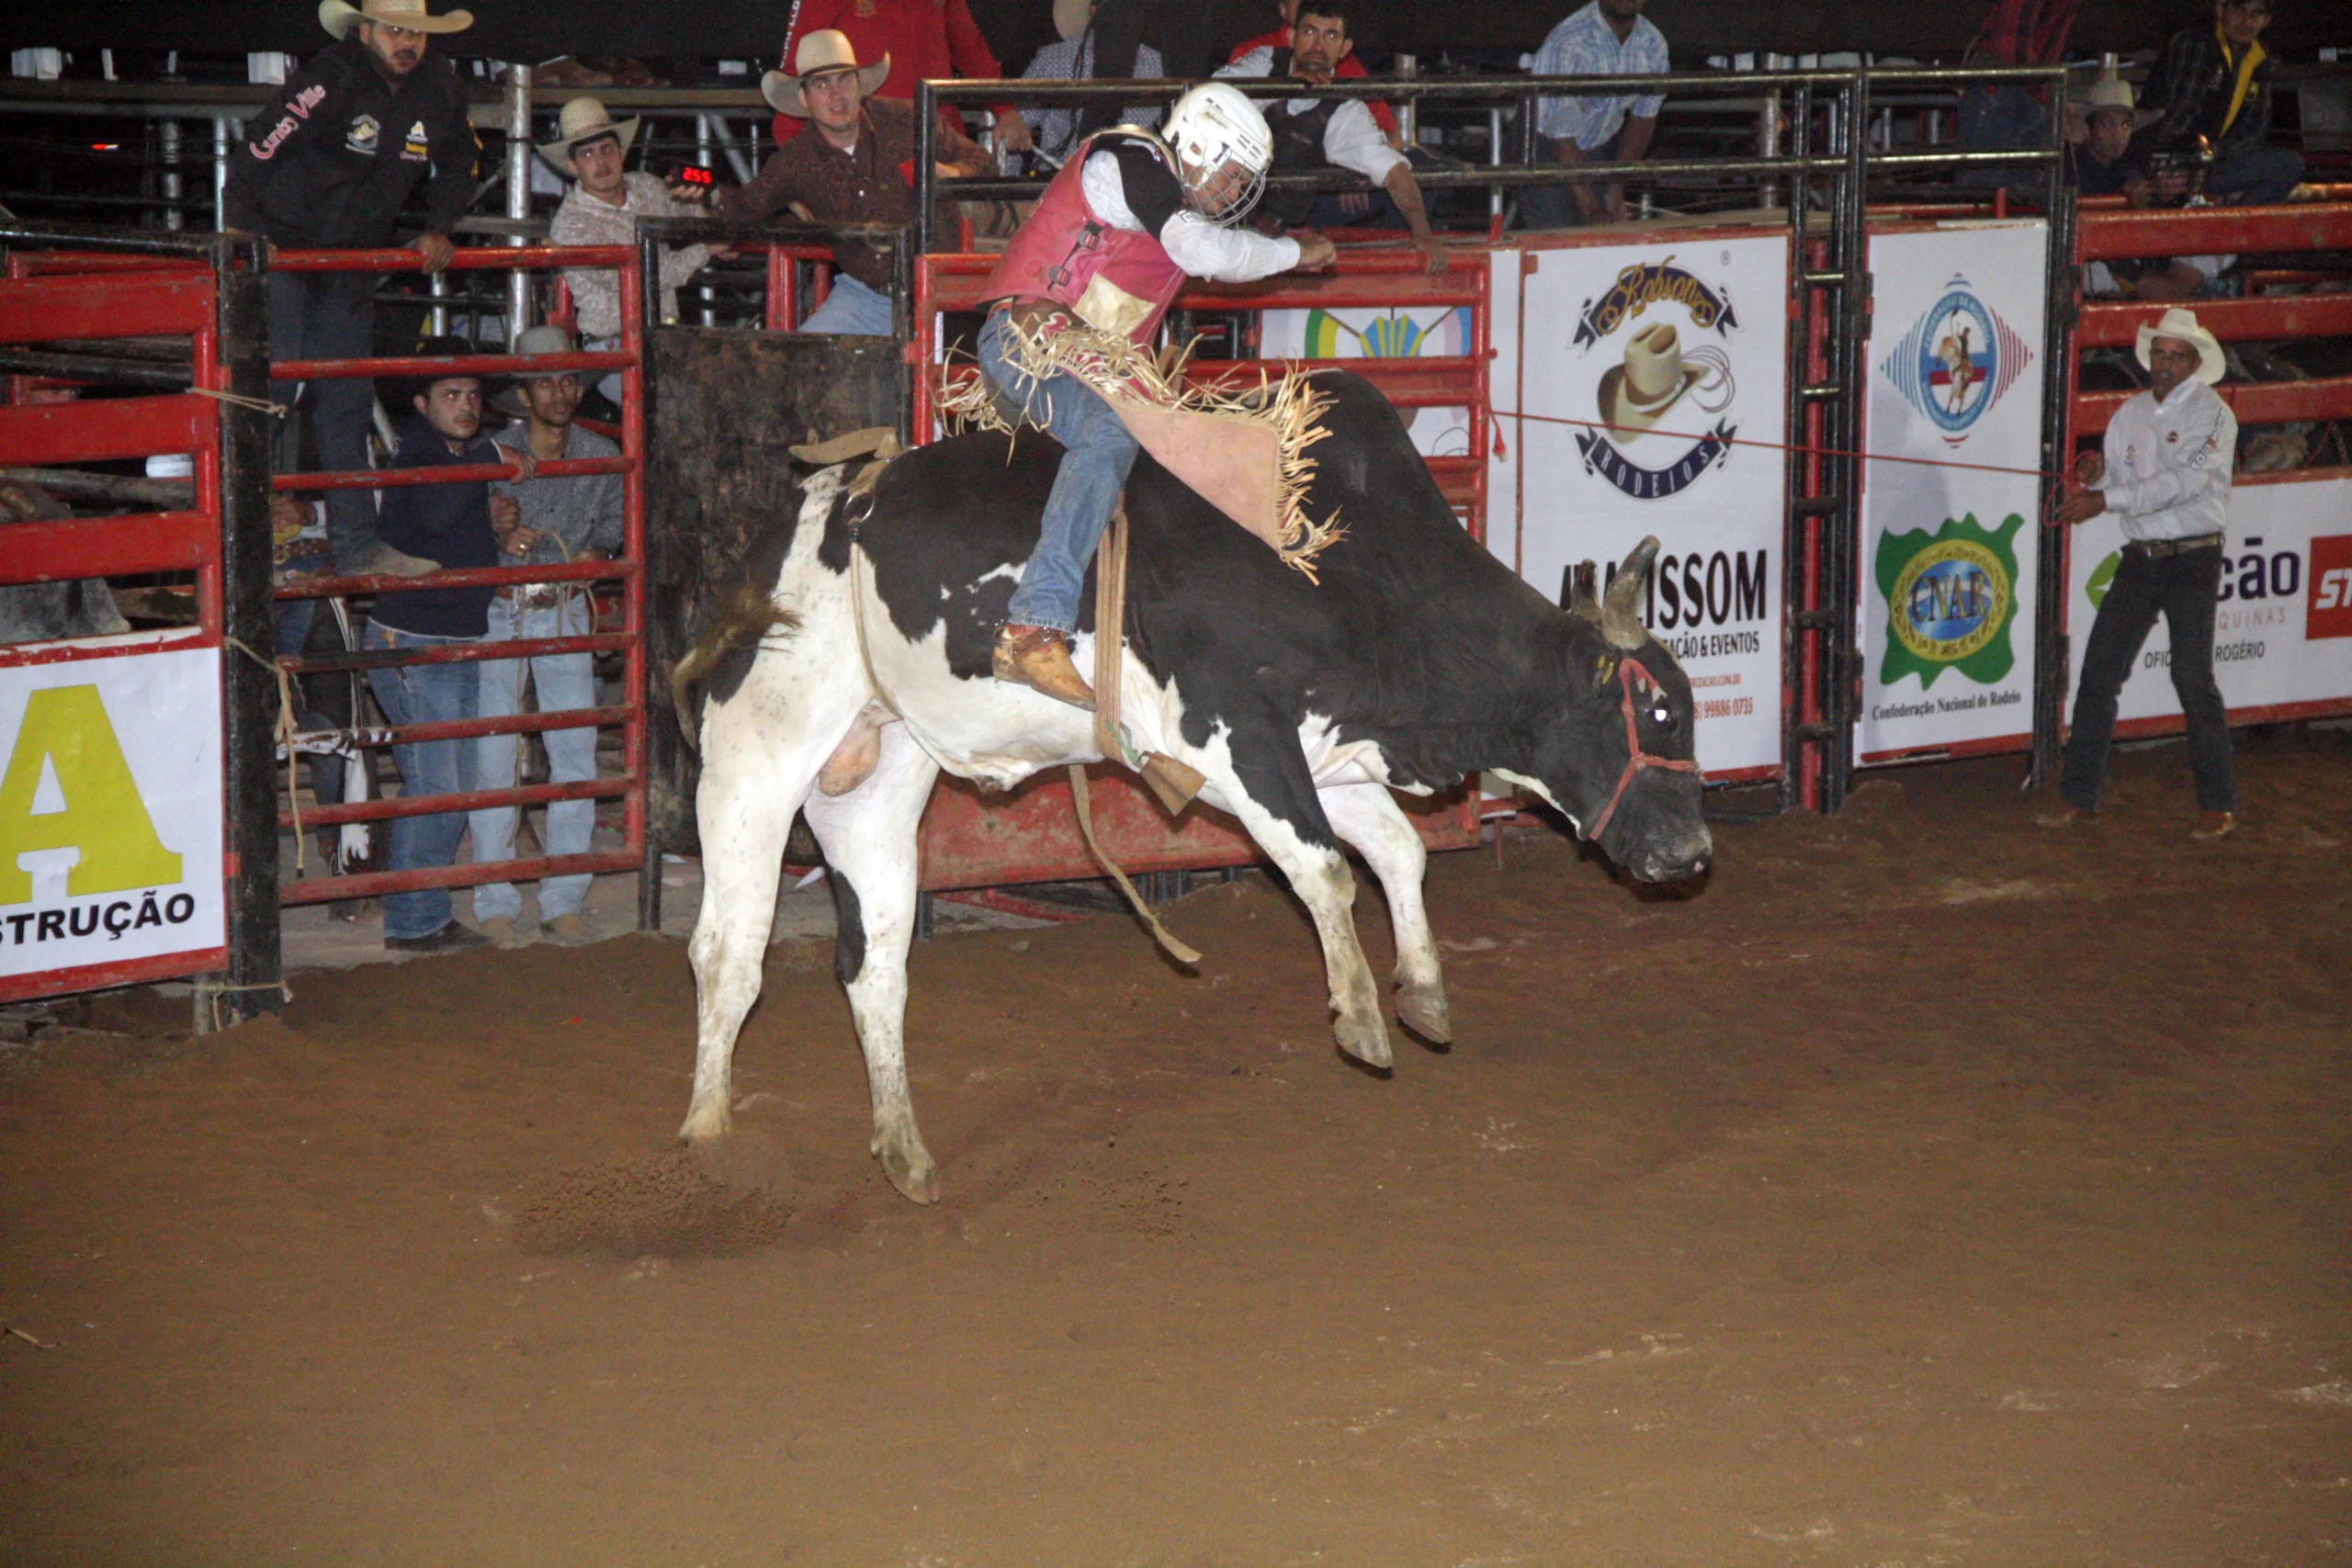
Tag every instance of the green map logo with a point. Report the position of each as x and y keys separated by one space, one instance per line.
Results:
x=1950 y=597
x=2102 y=579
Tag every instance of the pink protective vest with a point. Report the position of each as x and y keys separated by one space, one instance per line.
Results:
x=1121 y=281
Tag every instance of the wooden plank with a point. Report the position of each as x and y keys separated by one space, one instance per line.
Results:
x=41 y=434
x=56 y=549
x=42 y=310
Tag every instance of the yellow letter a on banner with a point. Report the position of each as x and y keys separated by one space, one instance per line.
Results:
x=103 y=818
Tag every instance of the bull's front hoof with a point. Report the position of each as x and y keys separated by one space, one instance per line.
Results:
x=1366 y=1040
x=916 y=1179
x=1422 y=1009
x=704 y=1124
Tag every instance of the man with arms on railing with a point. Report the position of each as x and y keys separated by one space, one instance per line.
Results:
x=2165 y=472
x=1347 y=68
x=454 y=523
x=1313 y=134
x=1607 y=37
x=857 y=168
x=328 y=164
x=576 y=517
x=2213 y=80
x=1131 y=216
x=602 y=208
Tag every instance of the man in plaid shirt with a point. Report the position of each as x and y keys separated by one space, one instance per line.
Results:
x=2213 y=80
x=2015 y=32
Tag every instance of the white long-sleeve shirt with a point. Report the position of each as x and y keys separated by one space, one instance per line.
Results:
x=1192 y=242
x=2168 y=463
x=1351 y=138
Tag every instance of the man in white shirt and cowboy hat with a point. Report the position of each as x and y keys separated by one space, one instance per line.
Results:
x=602 y=208
x=329 y=163
x=2166 y=473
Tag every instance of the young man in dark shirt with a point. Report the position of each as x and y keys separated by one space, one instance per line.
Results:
x=329 y=163
x=857 y=168
x=457 y=525
x=2213 y=80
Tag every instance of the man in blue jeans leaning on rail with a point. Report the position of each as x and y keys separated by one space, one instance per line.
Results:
x=452 y=524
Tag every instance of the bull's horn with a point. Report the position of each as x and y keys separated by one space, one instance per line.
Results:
x=1619 y=622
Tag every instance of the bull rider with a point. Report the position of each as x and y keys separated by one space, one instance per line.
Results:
x=1131 y=216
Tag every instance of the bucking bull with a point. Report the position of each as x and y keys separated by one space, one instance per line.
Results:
x=859 y=650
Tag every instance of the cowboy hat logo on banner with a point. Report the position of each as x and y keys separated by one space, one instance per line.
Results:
x=1660 y=391
x=1956 y=361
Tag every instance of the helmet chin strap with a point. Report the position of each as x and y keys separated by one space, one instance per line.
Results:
x=1628 y=672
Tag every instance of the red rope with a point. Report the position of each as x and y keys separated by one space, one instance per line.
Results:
x=1784 y=445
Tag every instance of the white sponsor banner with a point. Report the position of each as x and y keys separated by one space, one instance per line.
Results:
x=2283 y=633
x=1432 y=332
x=1659 y=357
x=111 y=834
x=1947 y=576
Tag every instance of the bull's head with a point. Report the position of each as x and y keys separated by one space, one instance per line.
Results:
x=1616 y=755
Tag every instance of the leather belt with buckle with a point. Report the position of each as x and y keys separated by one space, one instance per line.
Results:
x=2162 y=549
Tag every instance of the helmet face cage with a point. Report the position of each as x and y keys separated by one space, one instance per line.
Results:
x=1213 y=125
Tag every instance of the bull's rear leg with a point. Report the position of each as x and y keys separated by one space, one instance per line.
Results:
x=868 y=836
x=760 y=755
x=1265 y=777
x=1368 y=817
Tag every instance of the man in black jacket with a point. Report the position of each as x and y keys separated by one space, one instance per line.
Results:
x=459 y=523
x=330 y=163
x=2213 y=80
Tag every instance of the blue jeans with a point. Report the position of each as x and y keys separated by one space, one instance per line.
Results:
x=851 y=308
x=2184 y=590
x=2259 y=178
x=425 y=694
x=564 y=681
x=1097 y=453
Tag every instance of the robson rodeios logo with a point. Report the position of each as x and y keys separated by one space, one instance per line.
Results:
x=1951 y=599
x=1658 y=376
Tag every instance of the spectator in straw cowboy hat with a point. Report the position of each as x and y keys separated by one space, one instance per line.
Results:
x=575 y=518
x=2165 y=472
x=857 y=168
x=328 y=162
x=602 y=208
x=2105 y=124
x=920 y=40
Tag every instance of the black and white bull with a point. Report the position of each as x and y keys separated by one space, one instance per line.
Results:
x=1417 y=661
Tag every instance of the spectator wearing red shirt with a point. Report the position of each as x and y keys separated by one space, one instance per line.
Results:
x=1349 y=66
x=926 y=40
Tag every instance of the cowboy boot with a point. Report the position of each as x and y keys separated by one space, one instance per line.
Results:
x=1038 y=657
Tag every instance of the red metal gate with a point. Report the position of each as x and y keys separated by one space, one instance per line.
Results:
x=136 y=710
x=620 y=627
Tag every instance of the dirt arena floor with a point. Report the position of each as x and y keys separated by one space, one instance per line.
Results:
x=1930 y=1188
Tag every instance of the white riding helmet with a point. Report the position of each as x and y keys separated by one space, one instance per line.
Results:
x=1213 y=125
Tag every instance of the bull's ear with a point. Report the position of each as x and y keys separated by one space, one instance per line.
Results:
x=1580 y=600
x=1619 y=622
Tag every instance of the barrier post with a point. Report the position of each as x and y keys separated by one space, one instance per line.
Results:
x=240 y=366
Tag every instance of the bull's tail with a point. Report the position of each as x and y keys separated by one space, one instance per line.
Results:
x=749 y=618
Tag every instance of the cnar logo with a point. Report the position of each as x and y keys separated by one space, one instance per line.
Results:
x=1951 y=598
x=1956 y=361
x=68 y=787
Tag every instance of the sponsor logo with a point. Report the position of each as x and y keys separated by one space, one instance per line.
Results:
x=363 y=135
x=2257 y=577
x=1651 y=328
x=2328 y=611
x=1392 y=334
x=1951 y=599
x=298 y=109
x=1957 y=360
x=1708 y=603
x=417 y=146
